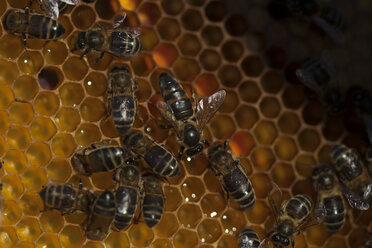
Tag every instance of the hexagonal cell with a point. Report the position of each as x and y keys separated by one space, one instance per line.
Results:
x=232 y=221
x=107 y=9
x=227 y=241
x=63 y=145
x=31 y=203
x=38 y=154
x=309 y=140
x=261 y=184
x=6 y=96
x=210 y=59
x=230 y=103
x=50 y=78
x=215 y=11
x=222 y=126
x=206 y=84
x=167 y=225
x=283 y=174
x=51 y=221
x=262 y=158
x=142 y=64
x=192 y=20
x=72 y=236
x=242 y=143
x=149 y=13
x=28 y=229
x=285 y=148
x=265 y=132
x=10 y=46
x=289 y=123
x=95 y=83
x=149 y=38
x=140 y=235
x=197 y=165
x=186 y=69
x=252 y=66
x=185 y=238
x=46 y=103
x=249 y=91
x=192 y=189
x=232 y=50
x=168 y=29
x=42 y=128
x=34 y=178
x=18 y=137
x=92 y=109
x=275 y=57
x=172 y=7
x=12 y=187
x=189 y=44
x=25 y=88
x=67 y=119
x=8 y=71
x=30 y=62
x=229 y=75
x=313 y=113
x=213 y=204
x=59 y=170
x=115 y=239
x=246 y=116
x=270 y=107
x=15 y=162
x=236 y=25
x=209 y=231
x=87 y=133
x=21 y=113
x=83 y=17
x=174 y=198
x=212 y=35
x=48 y=240
x=189 y=215
x=333 y=128
x=4 y=121
x=304 y=165
x=71 y=94
x=55 y=52
x=165 y=54
x=272 y=81
x=259 y=213
x=11 y=213
x=75 y=68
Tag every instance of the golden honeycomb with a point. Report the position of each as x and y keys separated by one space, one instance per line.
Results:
x=52 y=102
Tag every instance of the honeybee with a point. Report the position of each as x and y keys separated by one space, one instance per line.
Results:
x=232 y=176
x=353 y=175
x=248 y=239
x=128 y=179
x=188 y=120
x=120 y=42
x=294 y=216
x=329 y=197
x=318 y=76
x=99 y=157
x=158 y=158
x=32 y=24
x=54 y=7
x=152 y=205
x=101 y=216
x=122 y=104
x=66 y=198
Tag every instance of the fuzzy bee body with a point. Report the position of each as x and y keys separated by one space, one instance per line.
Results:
x=31 y=24
x=248 y=239
x=102 y=214
x=329 y=197
x=158 y=158
x=99 y=157
x=128 y=179
x=122 y=102
x=232 y=176
x=153 y=200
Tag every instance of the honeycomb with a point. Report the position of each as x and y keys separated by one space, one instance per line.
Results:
x=51 y=103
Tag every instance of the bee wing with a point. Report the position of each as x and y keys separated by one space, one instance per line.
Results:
x=315 y=218
x=207 y=107
x=308 y=80
x=265 y=243
x=70 y=2
x=335 y=33
x=51 y=8
x=275 y=205
x=354 y=200
x=166 y=113
x=118 y=20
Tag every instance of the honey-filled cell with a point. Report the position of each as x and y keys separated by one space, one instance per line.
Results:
x=165 y=54
x=34 y=178
x=209 y=231
x=18 y=137
x=185 y=238
x=140 y=235
x=21 y=113
x=10 y=46
x=46 y=103
x=38 y=154
x=8 y=72
x=95 y=83
x=167 y=225
x=192 y=189
x=25 y=87
x=232 y=220
x=83 y=17
x=189 y=215
x=28 y=229
x=48 y=240
x=11 y=213
x=31 y=203
x=30 y=62
x=168 y=29
x=67 y=119
x=59 y=170
x=212 y=205
x=113 y=240
x=42 y=128
x=72 y=236
x=75 y=68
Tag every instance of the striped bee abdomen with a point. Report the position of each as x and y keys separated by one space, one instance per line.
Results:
x=123 y=112
x=299 y=206
x=162 y=162
x=240 y=188
x=248 y=239
x=152 y=209
x=126 y=203
x=335 y=213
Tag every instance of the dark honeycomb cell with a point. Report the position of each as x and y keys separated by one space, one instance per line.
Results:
x=172 y=7
x=106 y=9
x=270 y=107
x=210 y=59
x=265 y=132
x=231 y=102
x=83 y=17
x=50 y=78
x=186 y=69
x=149 y=13
x=189 y=44
x=293 y=97
x=165 y=54
x=192 y=20
x=212 y=35
x=232 y=50
x=252 y=66
x=236 y=25
x=168 y=29
x=249 y=91
x=229 y=75
x=246 y=116
x=195 y=2
x=272 y=81
x=215 y=11
x=275 y=57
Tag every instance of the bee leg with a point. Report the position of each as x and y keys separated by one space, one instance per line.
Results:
x=24 y=39
x=226 y=143
x=293 y=243
x=180 y=153
x=86 y=51
x=98 y=58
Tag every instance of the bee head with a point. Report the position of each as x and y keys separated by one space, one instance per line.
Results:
x=279 y=240
x=191 y=135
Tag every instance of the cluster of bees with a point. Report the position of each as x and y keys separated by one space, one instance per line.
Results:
x=188 y=116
